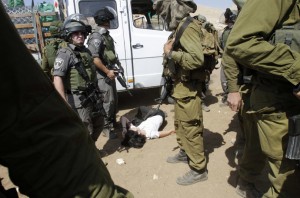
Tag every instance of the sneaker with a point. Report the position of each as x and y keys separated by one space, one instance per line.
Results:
x=179 y=157
x=247 y=190
x=205 y=108
x=191 y=177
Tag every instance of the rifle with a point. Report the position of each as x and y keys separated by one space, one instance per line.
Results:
x=90 y=94
x=167 y=90
x=121 y=78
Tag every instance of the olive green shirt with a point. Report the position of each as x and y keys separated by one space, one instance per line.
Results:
x=231 y=71
x=248 y=41
x=188 y=56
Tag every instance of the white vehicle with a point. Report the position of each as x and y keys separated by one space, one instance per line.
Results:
x=139 y=36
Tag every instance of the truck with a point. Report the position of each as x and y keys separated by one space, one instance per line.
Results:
x=139 y=36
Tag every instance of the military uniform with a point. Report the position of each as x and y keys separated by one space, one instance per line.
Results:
x=43 y=143
x=276 y=73
x=188 y=83
x=64 y=66
x=253 y=160
x=101 y=44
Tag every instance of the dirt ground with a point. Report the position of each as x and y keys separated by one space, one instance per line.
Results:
x=147 y=174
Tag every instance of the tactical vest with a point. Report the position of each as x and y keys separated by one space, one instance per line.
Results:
x=109 y=54
x=289 y=32
x=74 y=79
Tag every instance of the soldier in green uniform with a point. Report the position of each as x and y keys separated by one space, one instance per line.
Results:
x=43 y=143
x=188 y=79
x=275 y=74
x=52 y=45
x=102 y=47
x=251 y=160
x=74 y=69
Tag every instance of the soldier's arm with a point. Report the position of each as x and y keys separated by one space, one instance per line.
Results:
x=231 y=72
x=94 y=45
x=59 y=86
x=248 y=41
x=192 y=56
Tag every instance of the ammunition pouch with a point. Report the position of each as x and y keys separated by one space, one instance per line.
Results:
x=293 y=148
x=189 y=75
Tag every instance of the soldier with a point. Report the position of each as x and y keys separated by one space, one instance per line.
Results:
x=101 y=44
x=73 y=70
x=43 y=143
x=275 y=92
x=52 y=45
x=188 y=59
x=230 y=17
x=251 y=160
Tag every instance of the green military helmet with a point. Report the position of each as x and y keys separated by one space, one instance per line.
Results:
x=239 y=3
x=55 y=28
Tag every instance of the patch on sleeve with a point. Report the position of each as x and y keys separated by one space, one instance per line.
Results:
x=96 y=42
x=58 y=63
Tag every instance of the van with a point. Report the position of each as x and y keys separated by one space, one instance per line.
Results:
x=139 y=36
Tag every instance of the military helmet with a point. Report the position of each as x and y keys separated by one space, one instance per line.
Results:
x=76 y=23
x=55 y=28
x=104 y=15
x=230 y=15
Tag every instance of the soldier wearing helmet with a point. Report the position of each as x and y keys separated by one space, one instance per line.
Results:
x=73 y=69
x=101 y=45
x=269 y=70
x=188 y=77
x=52 y=45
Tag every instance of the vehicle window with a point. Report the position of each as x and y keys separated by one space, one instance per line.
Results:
x=144 y=17
x=90 y=7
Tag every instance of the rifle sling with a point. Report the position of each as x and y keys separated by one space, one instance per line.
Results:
x=181 y=30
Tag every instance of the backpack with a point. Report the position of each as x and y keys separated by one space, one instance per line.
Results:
x=210 y=44
x=51 y=48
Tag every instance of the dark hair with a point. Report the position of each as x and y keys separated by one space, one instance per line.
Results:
x=133 y=139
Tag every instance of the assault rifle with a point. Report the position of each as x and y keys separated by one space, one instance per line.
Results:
x=121 y=78
x=91 y=95
x=167 y=90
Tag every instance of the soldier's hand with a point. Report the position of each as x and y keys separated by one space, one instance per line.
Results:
x=111 y=74
x=234 y=100
x=297 y=94
x=168 y=46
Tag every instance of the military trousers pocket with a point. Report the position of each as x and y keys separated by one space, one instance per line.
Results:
x=188 y=108
x=273 y=134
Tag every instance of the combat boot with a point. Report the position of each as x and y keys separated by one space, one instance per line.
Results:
x=247 y=190
x=192 y=177
x=179 y=157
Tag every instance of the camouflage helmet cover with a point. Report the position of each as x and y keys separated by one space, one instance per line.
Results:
x=173 y=11
x=55 y=28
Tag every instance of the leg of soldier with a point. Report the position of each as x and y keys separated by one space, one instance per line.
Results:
x=252 y=161
x=223 y=84
x=189 y=129
x=107 y=90
x=43 y=142
x=273 y=135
